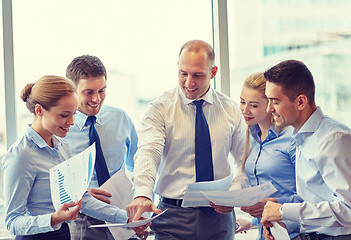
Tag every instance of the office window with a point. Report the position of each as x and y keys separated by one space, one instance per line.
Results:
x=138 y=42
x=318 y=34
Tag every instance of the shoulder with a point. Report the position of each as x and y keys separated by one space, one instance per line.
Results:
x=19 y=154
x=165 y=101
x=223 y=101
x=109 y=113
x=330 y=126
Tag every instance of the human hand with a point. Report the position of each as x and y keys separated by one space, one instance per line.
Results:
x=221 y=209
x=141 y=231
x=244 y=224
x=138 y=206
x=267 y=233
x=271 y=213
x=66 y=212
x=100 y=194
x=257 y=209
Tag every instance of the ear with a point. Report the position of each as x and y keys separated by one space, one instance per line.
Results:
x=39 y=110
x=214 y=71
x=302 y=101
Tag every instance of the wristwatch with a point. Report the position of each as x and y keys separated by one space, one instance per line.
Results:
x=281 y=209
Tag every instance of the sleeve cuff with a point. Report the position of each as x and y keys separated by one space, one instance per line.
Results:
x=291 y=211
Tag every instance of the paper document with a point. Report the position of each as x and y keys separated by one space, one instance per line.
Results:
x=242 y=197
x=279 y=232
x=194 y=192
x=120 y=188
x=70 y=179
x=131 y=224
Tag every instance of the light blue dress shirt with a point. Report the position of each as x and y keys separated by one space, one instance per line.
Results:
x=323 y=172
x=273 y=160
x=27 y=186
x=117 y=135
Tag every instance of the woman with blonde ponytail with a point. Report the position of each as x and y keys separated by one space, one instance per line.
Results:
x=269 y=153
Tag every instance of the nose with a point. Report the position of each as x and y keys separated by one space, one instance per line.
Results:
x=245 y=109
x=270 y=107
x=70 y=120
x=96 y=97
x=189 y=82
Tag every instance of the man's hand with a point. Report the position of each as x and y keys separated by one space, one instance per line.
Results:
x=221 y=209
x=244 y=224
x=140 y=205
x=270 y=214
x=267 y=233
x=66 y=212
x=100 y=194
x=141 y=231
x=257 y=209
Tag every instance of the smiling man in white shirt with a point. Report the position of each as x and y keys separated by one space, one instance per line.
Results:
x=167 y=148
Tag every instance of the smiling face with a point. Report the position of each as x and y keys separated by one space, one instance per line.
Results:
x=253 y=106
x=285 y=112
x=194 y=73
x=57 y=120
x=91 y=94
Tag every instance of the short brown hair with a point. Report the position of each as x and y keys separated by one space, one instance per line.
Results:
x=85 y=66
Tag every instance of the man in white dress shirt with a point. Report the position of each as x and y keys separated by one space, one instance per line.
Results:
x=167 y=148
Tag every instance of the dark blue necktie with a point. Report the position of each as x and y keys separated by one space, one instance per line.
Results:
x=100 y=164
x=203 y=150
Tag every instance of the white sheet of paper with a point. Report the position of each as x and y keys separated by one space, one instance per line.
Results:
x=70 y=179
x=131 y=224
x=120 y=188
x=242 y=197
x=194 y=192
x=278 y=232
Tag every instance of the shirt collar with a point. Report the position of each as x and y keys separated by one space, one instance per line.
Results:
x=39 y=141
x=312 y=123
x=81 y=118
x=273 y=132
x=208 y=97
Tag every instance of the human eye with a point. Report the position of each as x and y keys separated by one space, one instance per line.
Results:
x=184 y=74
x=89 y=92
x=254 y=105
x=64 y=115
x=198 y=75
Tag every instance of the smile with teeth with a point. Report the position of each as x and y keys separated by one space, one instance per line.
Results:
x=66 y=129
x=93 y=105
x=190 y=89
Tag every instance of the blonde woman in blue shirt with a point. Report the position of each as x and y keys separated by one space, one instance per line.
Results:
x=30 y=214
x=272 y=152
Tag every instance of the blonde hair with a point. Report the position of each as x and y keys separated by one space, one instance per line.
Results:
x=257 y=82
x=47 y=91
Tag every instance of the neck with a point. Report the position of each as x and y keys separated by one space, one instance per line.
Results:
x=305 y=115
x=38 y=127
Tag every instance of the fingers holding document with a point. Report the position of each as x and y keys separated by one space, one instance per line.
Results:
x=221 y=209
x=140 y=205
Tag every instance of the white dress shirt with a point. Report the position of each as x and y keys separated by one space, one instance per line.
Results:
x=167 y=142
x=323 y=169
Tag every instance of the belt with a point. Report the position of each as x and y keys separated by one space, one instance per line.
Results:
x=171 y=201
x=315 y=236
